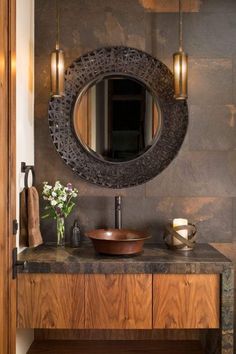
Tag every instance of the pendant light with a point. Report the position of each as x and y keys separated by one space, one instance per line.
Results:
x=180 y=64
x=57 y=64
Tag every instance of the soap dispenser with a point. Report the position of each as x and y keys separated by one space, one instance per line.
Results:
x=75 y=239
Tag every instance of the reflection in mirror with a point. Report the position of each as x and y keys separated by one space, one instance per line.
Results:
x=117 y=118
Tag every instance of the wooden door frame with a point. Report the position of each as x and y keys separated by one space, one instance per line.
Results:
x=7 y=174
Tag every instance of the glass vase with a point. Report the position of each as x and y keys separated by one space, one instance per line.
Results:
x=60 y=231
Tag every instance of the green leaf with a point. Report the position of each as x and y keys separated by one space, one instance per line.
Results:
x=69 y=208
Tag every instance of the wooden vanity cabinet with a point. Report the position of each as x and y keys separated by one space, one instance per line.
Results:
x=118 y=301
x=185 y=301
x=50 y=301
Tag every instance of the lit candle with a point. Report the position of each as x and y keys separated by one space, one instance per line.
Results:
x=183 y=233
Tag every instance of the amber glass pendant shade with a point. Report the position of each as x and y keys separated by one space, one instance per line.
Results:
x=180 y=70
x=180 y=64
x=57 y=73
x=57 y=63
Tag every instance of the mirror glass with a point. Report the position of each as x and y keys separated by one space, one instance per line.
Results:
x=117 y=118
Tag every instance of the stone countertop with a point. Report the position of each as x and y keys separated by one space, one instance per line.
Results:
x=156 y=258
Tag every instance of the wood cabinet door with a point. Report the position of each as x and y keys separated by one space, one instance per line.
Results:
x=50 y=301
x=186 y=301
x=118 y=301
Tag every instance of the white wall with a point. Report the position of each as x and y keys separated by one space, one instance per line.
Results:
x=24 y=113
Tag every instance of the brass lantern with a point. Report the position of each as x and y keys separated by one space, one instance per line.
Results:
x=57 y=66
x=180 y=64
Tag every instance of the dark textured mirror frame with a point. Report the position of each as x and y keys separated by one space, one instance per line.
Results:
x=158 y=79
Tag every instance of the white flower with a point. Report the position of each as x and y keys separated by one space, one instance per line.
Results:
x=57 y=185
x=59 y=197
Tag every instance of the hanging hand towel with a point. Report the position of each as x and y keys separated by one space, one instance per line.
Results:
x=34 y=234
x=23 y=219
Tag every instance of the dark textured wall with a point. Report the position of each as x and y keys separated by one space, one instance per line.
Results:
x=200 y=184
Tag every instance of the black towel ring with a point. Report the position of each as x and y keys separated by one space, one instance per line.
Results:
x=26 y=169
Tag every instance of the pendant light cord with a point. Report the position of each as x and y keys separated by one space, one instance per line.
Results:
x=58 y=25
x=180 y=26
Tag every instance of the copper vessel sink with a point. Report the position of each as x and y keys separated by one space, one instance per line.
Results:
x=117 y=241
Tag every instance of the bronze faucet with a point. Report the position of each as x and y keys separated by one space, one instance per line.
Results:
x=118 y=215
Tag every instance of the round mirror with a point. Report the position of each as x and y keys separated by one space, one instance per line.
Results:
x=117 y=118
x=118 y=124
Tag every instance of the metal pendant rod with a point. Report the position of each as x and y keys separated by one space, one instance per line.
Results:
x=57 y=26
x=180 y=26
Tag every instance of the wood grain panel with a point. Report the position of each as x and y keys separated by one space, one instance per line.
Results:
x=118 y=301
x=4 y=181
x=7 y=176
x=12 y=172
x=50 y=301
x=116 y=347
x=155 y=120
x=186 y=301
x=82 y=119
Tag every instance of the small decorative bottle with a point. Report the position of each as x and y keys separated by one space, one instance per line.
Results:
x=75 y=235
